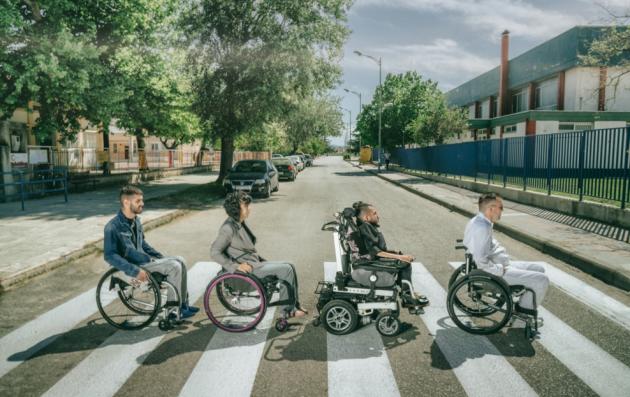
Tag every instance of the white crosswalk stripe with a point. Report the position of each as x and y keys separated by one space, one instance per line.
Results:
x=24 y=342
x=229 y=363
x=357 y=364
x=606 y=375
x=488 y=373
x=108 y=367
x=362 y=349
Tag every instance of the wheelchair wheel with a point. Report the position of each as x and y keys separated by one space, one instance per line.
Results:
x=457 y=275
x=126 y=306
x=387 y=324
x=339 y=317
x=479 y=294
x=235 y=302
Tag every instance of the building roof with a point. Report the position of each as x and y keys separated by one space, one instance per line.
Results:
x=560 y=53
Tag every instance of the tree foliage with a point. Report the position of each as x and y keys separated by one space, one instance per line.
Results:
x=253 y=60
x=414 y=111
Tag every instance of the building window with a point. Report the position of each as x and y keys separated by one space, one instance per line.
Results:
x=508 y=129
x=115 y=147
x=519 y=101
x=547 y=95
x=154 y=147
x=569 y=126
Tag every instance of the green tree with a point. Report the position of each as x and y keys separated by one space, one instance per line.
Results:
x=412 y=109
x=311 y=120
x=254 y=59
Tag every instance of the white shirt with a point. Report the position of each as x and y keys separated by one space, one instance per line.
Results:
x=487 y=253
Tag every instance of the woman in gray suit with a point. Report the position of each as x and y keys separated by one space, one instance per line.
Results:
x=234 y=249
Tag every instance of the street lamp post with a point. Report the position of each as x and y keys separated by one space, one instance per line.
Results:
x=380 y=103
x=360 y=109
x=349 y=125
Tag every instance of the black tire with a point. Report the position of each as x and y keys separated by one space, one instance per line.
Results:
x=481 y=290
x=388 y=324
x=282 y=325
x=339 y=317
x=124 y=324
x=277 y=187
x=457 y=275
x=267 y=192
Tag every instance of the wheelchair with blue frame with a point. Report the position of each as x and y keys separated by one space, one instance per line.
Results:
x=482 y=303
x=238 y=302
x=128 y=304
x=351 y=300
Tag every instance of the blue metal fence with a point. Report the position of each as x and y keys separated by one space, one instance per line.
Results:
x=22 y=185
x=583 y=163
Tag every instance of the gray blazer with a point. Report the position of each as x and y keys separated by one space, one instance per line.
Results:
x=235 y=244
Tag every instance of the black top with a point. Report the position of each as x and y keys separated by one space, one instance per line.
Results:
x=373 y=239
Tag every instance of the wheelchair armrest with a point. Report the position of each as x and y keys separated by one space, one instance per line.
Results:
x=384 y=265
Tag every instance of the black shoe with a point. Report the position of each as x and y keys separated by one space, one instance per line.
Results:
x=416 y=310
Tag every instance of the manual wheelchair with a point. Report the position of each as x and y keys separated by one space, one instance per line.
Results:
x=348 y=301
x=483 y=303
x=237 y=302
x=127 y=304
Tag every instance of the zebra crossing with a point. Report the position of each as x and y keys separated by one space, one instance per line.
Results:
x=357 y=364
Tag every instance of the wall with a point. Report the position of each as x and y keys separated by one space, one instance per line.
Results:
x=617 y=100
x=546 y=127
x=581 y=89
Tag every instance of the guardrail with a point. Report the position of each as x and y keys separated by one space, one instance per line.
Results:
x=27 y=184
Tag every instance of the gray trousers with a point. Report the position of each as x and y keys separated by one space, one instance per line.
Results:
x=284 y=271
x=531 y=275
x=174 y=268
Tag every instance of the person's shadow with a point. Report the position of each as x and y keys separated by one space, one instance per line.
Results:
x=452 y=346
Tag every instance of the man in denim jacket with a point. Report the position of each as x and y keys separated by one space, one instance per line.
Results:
x=127 y=250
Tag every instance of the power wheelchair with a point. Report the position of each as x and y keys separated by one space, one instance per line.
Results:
x=483 y=303
x=346 y=302
x=237 y=302
x=130 y=305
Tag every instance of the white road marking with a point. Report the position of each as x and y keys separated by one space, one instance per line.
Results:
x=357 y=363
x=479 y=366
x=109 y=366
x=603 y=373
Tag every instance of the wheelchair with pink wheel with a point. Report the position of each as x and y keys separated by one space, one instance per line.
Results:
x=238 y=302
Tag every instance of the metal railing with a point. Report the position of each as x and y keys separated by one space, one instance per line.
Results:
x=591 y=164
x=38 y=182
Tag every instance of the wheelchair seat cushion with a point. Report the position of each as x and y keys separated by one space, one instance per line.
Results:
x=384 y=279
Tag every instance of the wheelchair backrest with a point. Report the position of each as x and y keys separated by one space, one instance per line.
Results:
x=350 y=238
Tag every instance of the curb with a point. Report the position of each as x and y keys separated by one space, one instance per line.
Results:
x=91 y=247
x=587 y=265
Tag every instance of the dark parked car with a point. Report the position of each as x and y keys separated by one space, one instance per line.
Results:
x=253 y=176
x=309 y=160
x=286 y=168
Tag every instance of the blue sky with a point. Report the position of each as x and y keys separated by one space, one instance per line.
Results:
x=450 y=41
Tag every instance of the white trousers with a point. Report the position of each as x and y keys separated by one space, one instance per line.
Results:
x=531 y=275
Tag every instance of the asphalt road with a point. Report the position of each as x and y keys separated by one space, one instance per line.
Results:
x=582 y=351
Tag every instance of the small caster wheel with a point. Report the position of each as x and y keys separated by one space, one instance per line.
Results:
x=164 y=325
x=530 y=332
x=387 y=324
x=282 y=325
x=316 y=321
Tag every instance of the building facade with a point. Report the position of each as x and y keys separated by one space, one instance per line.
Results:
x=544 y=90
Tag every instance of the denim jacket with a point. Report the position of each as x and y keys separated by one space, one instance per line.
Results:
x=121 y=251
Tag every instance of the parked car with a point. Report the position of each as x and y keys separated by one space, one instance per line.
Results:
x=286 y=168
x=298 y=162
x=309 y=160
x=253 y=176
x=277 y=156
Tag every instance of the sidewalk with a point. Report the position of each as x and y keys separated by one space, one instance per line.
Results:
x=580 y=243
x=50 y=232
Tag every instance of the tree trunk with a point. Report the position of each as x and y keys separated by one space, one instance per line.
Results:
x=143 y=165
x=227 y=156
x=107 y=162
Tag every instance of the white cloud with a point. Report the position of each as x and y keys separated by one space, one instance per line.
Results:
x=493 y=16
x=442 y=60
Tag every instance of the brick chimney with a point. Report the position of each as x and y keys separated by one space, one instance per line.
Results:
x=502 y=107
